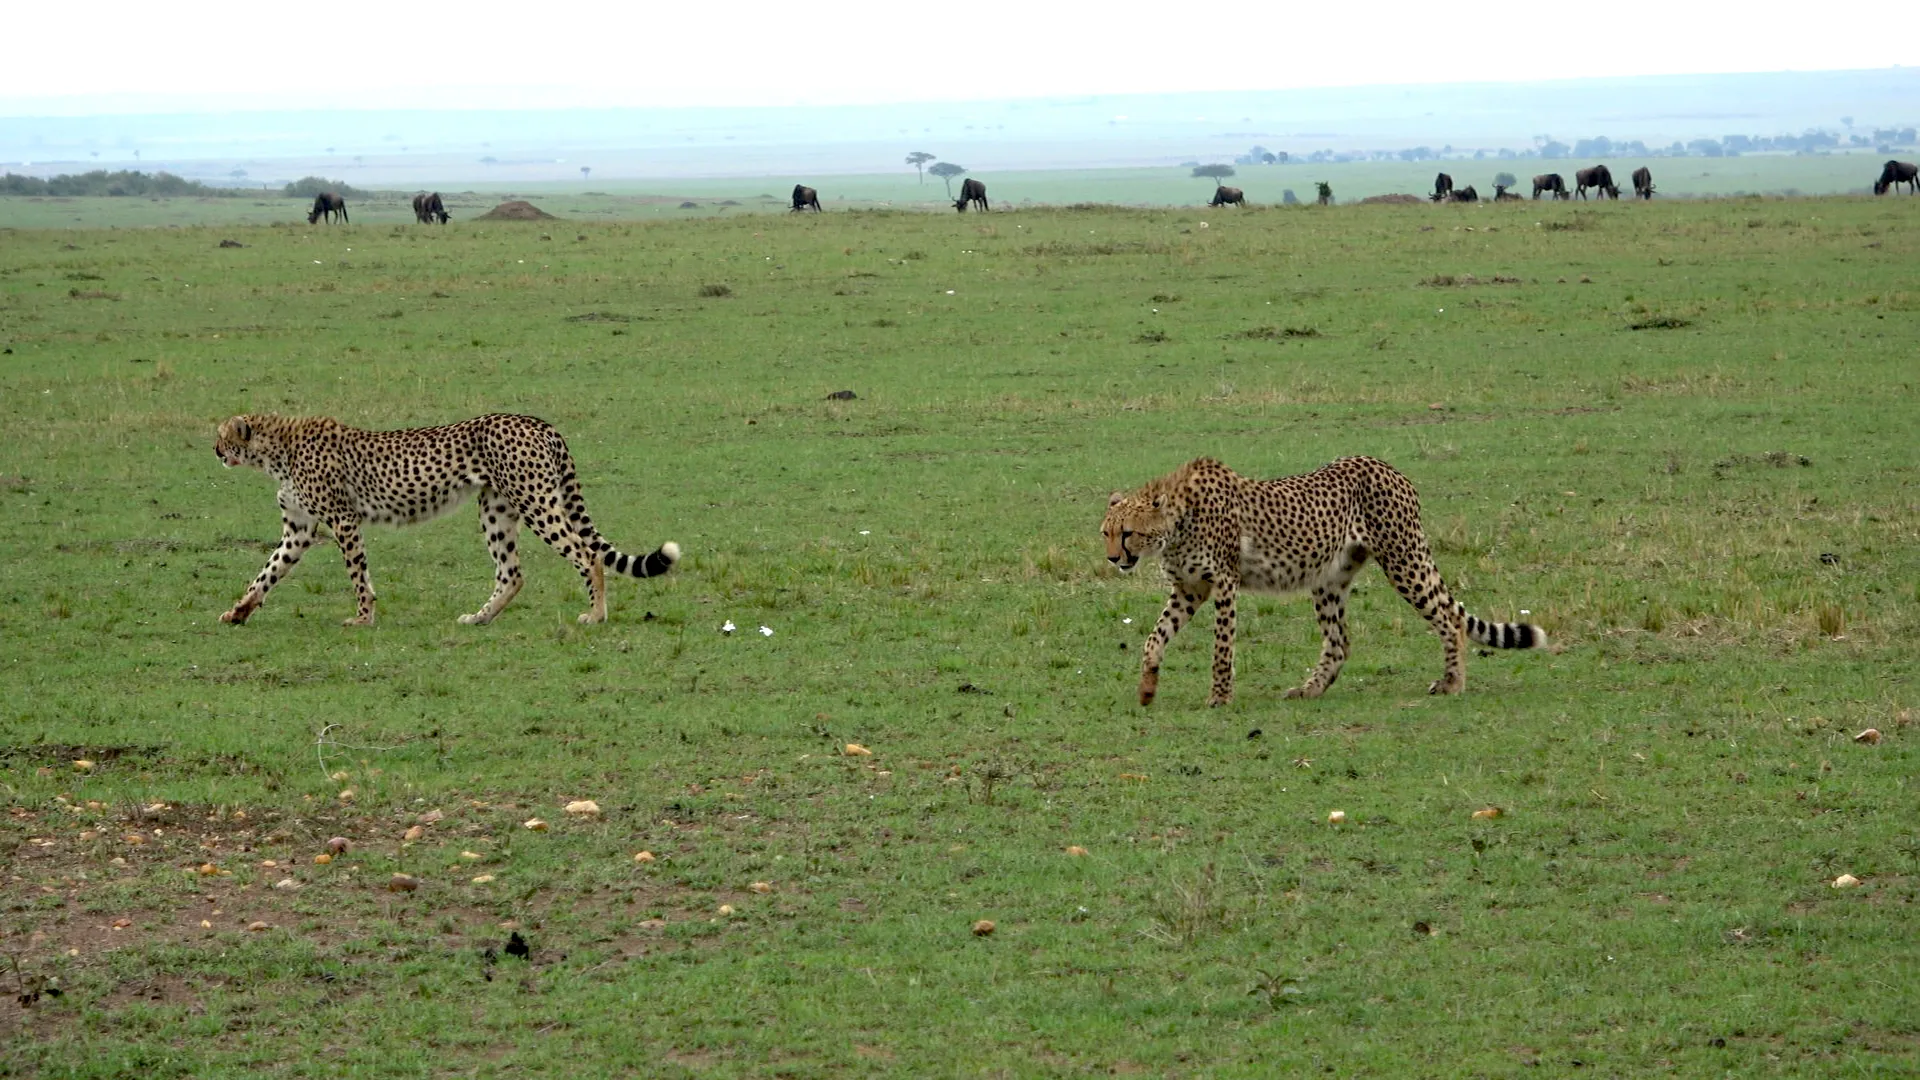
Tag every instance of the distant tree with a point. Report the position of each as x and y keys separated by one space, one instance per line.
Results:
x=238 y=174
x=308 y=186
x=1504 y=179
x=102 y=182
x=586 y=171
x=1847 y=120
x=489 y=160
x=1216 y=173
x=95 y=153
x=1705 y=147
x=1553 y=148
x=917 y=159
x=1598 y=146
x=1288 y=198
x=947 y=170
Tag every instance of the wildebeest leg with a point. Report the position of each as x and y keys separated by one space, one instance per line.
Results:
x=296 y=536
x=502 y=526
x=1181 y=604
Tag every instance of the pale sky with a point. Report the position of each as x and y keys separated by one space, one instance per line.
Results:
x=126 y=56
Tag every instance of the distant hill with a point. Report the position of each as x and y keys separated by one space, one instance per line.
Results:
x=1094 y=131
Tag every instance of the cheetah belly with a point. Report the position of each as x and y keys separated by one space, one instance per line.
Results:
x=1266 y=571
x=417 y=502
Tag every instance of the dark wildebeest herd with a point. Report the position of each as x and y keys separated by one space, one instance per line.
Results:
x=1228 y=196
x=805 y=198
x=329 y=204
x=1895 y=173
x=971 y=191
x=428 y=209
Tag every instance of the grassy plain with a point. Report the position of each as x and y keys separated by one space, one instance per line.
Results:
x=1681 y=435
x=607 y=198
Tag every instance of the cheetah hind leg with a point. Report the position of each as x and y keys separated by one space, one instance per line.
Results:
x=502 y=526
x=1330 y=610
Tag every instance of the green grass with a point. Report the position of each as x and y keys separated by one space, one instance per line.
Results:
x=653 y=200
x=1713 y=515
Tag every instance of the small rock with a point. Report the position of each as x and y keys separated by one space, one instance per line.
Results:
x=761 y=887
x=403 y=883
x=338 y=845
x=584 y=808
x=1487 y=814
x=1076 y=850
x=535 y=824
x=414 y=833
x=643 y=857
x=1870 y=737
x=1336 y=817
x=257 y=926
x=854 y=749
x=286 y=883
x=983 y=928
x=1845 y=881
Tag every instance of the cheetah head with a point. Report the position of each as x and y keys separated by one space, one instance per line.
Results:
x=239 y=443
x=1136 y=526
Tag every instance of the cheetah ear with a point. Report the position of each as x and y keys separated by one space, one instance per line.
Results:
x=242 y=429
x=1115 y=499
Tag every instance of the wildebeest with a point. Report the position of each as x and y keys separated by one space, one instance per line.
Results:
x=1442 y=187
x=427 y=209
x=804 y=198
x=1465 y=194
x=1550 y=182
x=329 y=204
x=971 y=191
x=1224 y=196
x=1599 y=177
x=1895 y=173
x=1501 y=194
x=1643 y=182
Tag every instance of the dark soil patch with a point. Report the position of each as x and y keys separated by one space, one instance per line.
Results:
x=516 y=210
x=1660 y=322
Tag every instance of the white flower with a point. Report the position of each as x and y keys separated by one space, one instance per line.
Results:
x=866 y=532
x=727 y=627
x=1524 y=611
x=766 y=631
x=1128 y=620
x=949 y=292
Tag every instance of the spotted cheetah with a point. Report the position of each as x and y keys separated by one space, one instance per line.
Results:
x=343 y=477
x=1218 y=532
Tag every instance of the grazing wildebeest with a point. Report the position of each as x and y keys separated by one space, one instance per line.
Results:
x=1465 y=194
x=1501 y=194
x=1550 y=182
x=804 y=197
x=1895 y=173
x=1223 y=196
x=1442 y=187
x=971 y=191
x=427 y=209
x=329 y=204
x=1600 y=178
x=1643 y=183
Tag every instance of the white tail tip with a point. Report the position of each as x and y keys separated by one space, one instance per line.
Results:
x=671 y=550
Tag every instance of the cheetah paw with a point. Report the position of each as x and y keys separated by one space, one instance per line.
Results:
x=478 y=618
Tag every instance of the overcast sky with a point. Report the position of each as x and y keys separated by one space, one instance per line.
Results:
x=127 y=56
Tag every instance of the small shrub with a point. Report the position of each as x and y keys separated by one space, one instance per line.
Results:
x=716 y=290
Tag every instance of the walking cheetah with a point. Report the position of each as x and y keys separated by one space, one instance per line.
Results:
x=1217 y=532
x=341 y=476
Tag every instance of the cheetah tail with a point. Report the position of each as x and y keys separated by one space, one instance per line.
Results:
x=652 y=564
x=1506 y=635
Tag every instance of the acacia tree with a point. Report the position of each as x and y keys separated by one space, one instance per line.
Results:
x=1505 y=179
x=917 y=159
x=1216 y=173
x=947 y=170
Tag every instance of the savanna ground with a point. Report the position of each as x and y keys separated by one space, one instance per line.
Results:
x=562 y=191
x=1679 y=435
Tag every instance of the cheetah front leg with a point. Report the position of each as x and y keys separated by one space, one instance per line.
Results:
x=1181 y=604
x=346 y=532
x=296 y=536
x=502 y=525
x=1223 y=624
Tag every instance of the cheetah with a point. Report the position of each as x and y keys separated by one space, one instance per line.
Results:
x=1217 y=532
x=343 y=477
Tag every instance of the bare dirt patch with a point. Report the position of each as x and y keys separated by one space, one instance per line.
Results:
x=516 y=210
